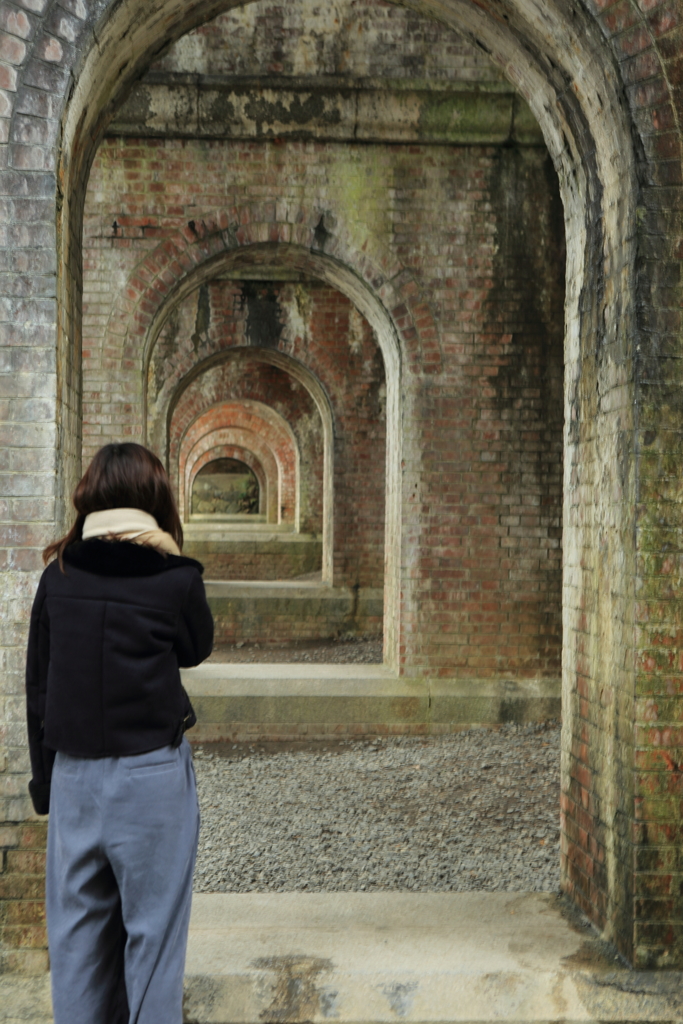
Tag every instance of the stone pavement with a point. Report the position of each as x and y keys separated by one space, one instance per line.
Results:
x=363 y=958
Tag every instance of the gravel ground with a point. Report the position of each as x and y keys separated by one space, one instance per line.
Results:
x=474 y=810
x=356 y=651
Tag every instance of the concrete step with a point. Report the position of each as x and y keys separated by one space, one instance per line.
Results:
x=285 y=700
x=274 y=611
x=371 y=958
x=375 y=958
x=244 y=551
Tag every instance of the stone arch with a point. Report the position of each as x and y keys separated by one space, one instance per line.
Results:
x=240 y=454
x=552 y=59
x=250 y=417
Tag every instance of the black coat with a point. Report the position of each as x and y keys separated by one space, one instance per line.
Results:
x=107 y=638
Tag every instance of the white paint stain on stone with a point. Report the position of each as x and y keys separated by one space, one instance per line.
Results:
x=356 y=331
x=295 y=304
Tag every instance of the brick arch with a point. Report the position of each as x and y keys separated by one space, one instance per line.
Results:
x=252 y=418
x=244 y=355
x=254 y=446
x=252 y=235
x=241 y=454
x=209 y=384
x=337 y=275
x=155 y=431
x=540 y=54
x=588 y=60
x=341 y=278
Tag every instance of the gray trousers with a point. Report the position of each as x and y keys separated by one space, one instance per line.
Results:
x=122 y=840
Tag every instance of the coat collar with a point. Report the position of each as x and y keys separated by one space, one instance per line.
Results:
x=122 y=558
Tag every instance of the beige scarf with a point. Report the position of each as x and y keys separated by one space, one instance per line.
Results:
x=129 y=524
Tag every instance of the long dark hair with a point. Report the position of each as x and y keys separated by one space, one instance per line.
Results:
x=122 y=476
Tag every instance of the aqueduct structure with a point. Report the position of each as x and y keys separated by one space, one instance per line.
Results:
x=417 y=266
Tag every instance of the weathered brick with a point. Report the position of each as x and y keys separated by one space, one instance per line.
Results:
x=14 y=21
x=446 y=487
x=23 y=936
x=22 y=887
x=50 y=78
x=8 y=78
x=12 y=50
x=22 y=912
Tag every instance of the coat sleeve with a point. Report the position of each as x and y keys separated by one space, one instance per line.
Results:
x=37 y=661
x=194 y=640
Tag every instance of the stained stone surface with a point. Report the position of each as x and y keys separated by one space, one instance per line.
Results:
x=429 y=958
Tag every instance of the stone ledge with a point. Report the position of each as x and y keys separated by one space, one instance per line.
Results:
x=286 y=590
x=271 y=610
x=241 y=535
x=279 y=700
x=187 y=106
x=261 y=555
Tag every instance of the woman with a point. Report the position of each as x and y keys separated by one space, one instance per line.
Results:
x=117 y=612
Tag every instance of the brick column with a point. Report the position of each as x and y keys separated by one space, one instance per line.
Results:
x=641 y=753
x=23 y=938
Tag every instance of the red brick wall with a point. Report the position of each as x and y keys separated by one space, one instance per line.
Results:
x=490 y=467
